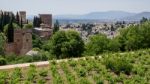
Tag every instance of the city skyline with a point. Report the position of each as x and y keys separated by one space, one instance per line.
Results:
x=56 y=7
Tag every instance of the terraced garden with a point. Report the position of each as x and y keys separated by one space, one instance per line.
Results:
x=111 y=68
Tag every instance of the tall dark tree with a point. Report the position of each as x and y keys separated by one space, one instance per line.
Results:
x=56 y=27
x=17 y=18
x=37 y=21
x=27 y=21
x=34 y=22
x=83 y=27
x=21 y=23
x=143 y=20
x=6 y=18
x=112 y=28
x=1 y=22
x=10 y=32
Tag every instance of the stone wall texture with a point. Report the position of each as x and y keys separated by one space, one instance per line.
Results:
x=22 y=42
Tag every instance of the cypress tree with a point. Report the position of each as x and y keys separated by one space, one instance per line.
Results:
x=2 y=22
x=34 y=22
x=17 y=18
x=56 y=27
x=10 y=32
x=21 y=24
x=1 y=17
x=6 y=18
x=40 y=21
x=27 y=21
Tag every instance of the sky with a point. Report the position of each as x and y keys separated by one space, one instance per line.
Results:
x=60 y=7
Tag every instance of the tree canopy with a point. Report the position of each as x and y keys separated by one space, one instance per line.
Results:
x=97 y=44
x=66 y=44
x=135 y=37
x=2 y=42
x=28 y=26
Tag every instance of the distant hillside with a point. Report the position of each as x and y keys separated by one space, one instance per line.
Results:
x=137 y=17
x=110 y=15
x=107 y=15
x=103 y=16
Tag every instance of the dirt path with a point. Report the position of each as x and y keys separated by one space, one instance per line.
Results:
x=42 y=63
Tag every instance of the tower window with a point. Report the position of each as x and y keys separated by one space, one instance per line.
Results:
x=23 y=33
x=27 y=40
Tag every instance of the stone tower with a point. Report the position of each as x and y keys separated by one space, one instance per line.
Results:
x=22 y=42
x=22 y=15
x=46 y=19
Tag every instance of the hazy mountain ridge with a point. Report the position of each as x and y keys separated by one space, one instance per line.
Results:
x=138 y=16
x=107 y=15
x=110 y=15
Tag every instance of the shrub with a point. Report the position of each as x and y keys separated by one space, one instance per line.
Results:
x=72 y=63
x=43 y=73
x=84 y=81
x=28 y=26
x=11 y=57
x=66 y=44
x=135 y=37
x=99 y=82
x=3 y=61
x=97 y=44
x=3 y=78
x=2 y=41
x=32 y=73
x=82 y=72
x=16 y=76
x=41 y=81
x=118 y=64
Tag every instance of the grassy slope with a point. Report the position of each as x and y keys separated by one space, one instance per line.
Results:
x=91 y=71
